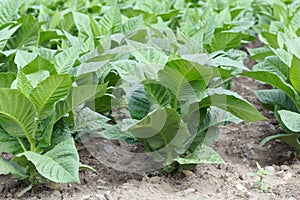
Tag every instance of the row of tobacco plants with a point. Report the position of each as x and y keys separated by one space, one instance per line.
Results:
x=65 y=65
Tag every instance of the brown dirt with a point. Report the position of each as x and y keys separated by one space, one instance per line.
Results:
x=239 y=147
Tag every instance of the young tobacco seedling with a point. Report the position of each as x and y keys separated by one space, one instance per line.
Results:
x=262 y=173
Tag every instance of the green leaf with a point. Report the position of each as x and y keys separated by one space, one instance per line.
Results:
x=38 y=64
x=6 y=79
x=77 y=96
x=275 y=96
x=23 y=84
x=6 y=34
x=88 y=121
x=27 y=36
x=22 y=58
x=202 y=154
x=163 y=133
x=232 y=103
x=65 y=60
x=158 y=92
x=48 y=92
x=271 y=39
x=10 y=167
x=274 y=80
x=8 y=10
x=225 y=41
x=184 y=78
x=17 y=114
x=138 y=104
x=60 y=165
x=111 y=22
x=260 y=53
x=295 y=73
x=82 y=22
x=290 y=139
x=11 y=144
x=290 y=120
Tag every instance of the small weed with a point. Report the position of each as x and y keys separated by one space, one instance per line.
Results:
x=262 y=173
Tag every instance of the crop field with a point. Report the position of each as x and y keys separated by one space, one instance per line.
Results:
x=147 y=100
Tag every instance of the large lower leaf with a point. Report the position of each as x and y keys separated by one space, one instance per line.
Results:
x=10 y=167
x=163 y=133
x=50 y=91
x=202 y=154
x=17 y=114
x=60 y=165
x=275 y=96
x=274 y=80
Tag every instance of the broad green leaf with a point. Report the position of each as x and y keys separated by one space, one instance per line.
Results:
x=88 y=121
x=65 y=60
x=271 y=39
x=129 y=70
x=260 y=53
x=133 y=23
x=232 y=103
x=225 y=61
x=184 y=78
x=208 y=131
x=151 y=57
x=17 y=114
x=22 y=58
x=163 y=133
x=27 y=36
x=82 y=22
x=290 y=120
x=8 y=10
x=138 y=104
x=274 y=80
x=48 y=92
x=10 y=167
x=202 y=154
x=111 y=21
x=37 y=77
x=225 y=41
x=114 y=132
x=6 y=34
x=77 y=96
x=23 y=84
x=6 y=79
x=60 y=165
x=39 y=63
x=11 y=144
x=275 y=96
x=295 y=73
x=275 y=65
x=158 y=92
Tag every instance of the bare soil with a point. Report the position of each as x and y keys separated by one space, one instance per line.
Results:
x=238 y=145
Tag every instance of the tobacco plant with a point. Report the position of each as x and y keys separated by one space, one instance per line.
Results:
x=279 y=66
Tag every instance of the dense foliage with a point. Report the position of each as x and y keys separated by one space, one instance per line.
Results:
x=66 y=66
